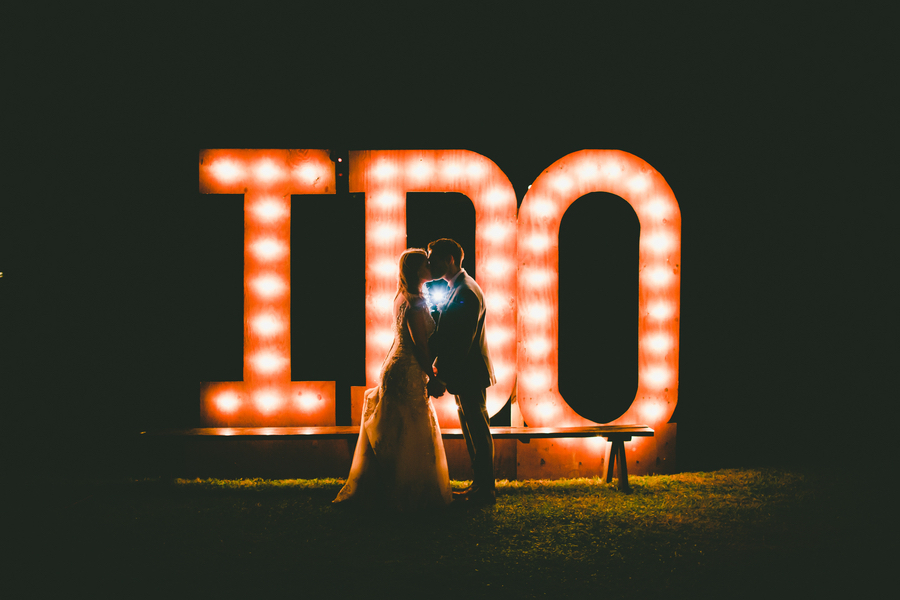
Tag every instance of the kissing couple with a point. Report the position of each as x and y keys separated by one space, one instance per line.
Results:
x=399 y=458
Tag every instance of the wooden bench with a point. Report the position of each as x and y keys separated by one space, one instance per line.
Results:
x=616 y=434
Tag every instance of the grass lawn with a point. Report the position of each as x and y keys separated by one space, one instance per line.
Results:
x=723 y=534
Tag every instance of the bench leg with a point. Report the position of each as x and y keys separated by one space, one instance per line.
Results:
x=611 y=463
x=617 y=455
x=623 y=470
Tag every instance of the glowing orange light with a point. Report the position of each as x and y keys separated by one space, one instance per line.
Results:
x=659 y=243
x=267 y=179
x=310 y=173
x=655 y=377
x=537 y=277
x=266 y=324
x=539 y=346
x=227 y=402
x=386 y=177
x=383 y=337
x=540 y=215
x=660 y=310
x=509 y=277
x=268 y=249
x=268 y=362
x=268 y=286
x=537 y=312
x=651 y=411
x=267 y=170
x=386 y=268
x=498 y=267
x=657 y=276
x=498 y=336
x=308 y=401
x=658 y=343
x=226 y=171
x=538 y=242
x=267 y=401
x=498 y=232
x=269 y=210
x=562 y=183
x=388 y=199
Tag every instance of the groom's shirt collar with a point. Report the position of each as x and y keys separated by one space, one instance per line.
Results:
x=452 y=282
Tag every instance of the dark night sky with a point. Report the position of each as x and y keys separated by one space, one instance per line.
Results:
x=768 y=127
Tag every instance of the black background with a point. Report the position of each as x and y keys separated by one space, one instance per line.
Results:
x=771 y=128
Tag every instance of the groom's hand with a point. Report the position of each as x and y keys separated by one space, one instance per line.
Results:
x=436 y=388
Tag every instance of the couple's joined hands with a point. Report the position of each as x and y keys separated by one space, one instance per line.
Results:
x=435 y=387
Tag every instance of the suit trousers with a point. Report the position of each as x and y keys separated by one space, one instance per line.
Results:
x=475 y=424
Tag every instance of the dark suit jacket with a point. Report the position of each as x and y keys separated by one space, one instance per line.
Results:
x=463 y=360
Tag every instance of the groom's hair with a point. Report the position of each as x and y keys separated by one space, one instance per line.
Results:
x=447 y=247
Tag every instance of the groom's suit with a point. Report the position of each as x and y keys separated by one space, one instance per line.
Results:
x=464 y=365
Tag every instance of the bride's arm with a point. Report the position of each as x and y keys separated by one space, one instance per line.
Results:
x=418 y=331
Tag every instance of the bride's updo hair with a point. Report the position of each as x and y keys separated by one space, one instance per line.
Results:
x=410 y=263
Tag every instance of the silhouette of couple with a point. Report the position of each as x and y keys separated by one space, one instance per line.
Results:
x=399 y=457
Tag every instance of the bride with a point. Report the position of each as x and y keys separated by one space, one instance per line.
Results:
x=399 y=456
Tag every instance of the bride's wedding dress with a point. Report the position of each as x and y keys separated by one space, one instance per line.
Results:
x=399 y=456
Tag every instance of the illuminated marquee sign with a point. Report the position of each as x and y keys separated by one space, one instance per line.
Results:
x=517 y=260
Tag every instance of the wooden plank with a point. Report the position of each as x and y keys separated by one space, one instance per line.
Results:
x=623 y=432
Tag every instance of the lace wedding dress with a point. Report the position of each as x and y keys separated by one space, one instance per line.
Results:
x=399 y=456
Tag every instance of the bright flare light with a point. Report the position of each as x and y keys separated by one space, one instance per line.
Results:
x=436 y=295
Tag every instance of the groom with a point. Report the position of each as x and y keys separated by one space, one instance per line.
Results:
x=463 y=363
